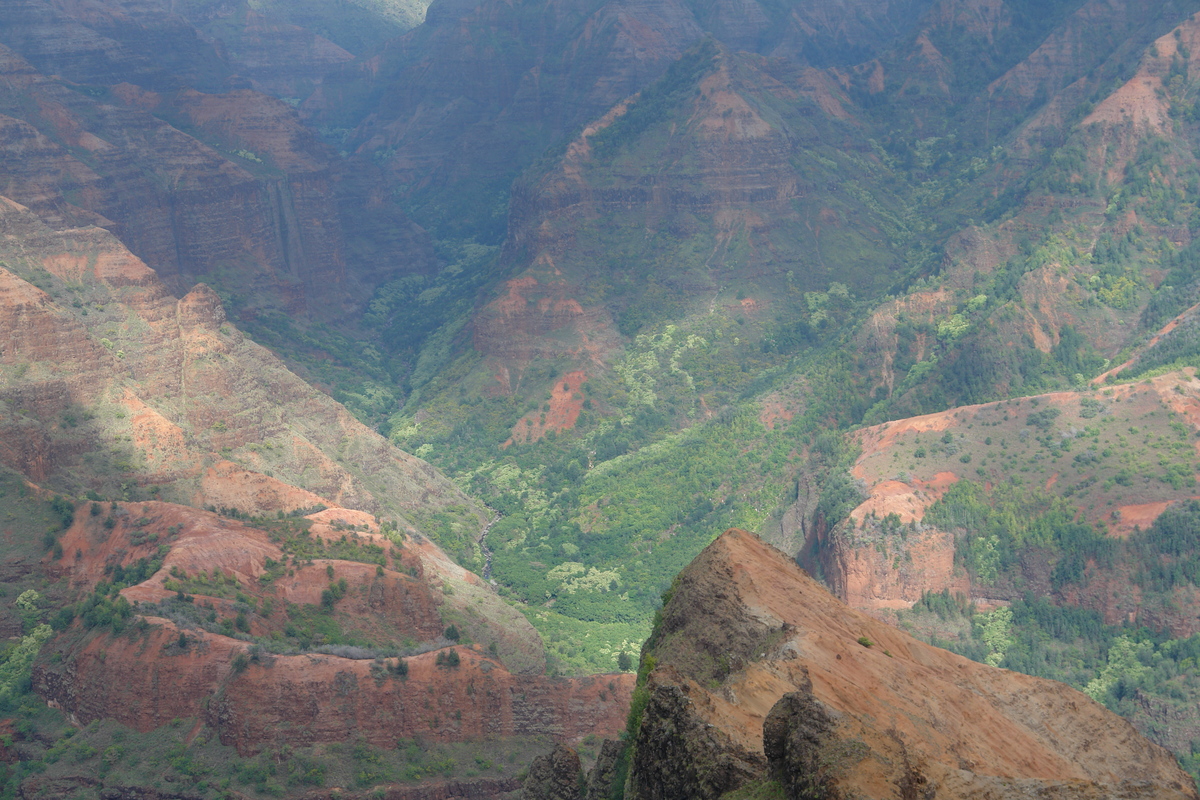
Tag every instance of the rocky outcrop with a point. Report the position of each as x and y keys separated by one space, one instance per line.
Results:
x=766 y=673
x=795 y=734
x=603 y=772
x=679 y=752
x=146 y=679
x=555 y=776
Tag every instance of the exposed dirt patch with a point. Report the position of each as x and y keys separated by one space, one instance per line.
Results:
x=1137 y=103
x=565 y=403
x=226 y=485
x=726 y=114
x=540 y=316
x=136 y=387
x=1141 y=515
x=782 y=405
x=1102 y=379
x=394 y=593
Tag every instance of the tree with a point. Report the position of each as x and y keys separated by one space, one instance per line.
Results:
x=624 y=662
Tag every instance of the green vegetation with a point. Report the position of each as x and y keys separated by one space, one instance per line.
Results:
x=1009 y=537
x=296 y=541
x=671 y=447
x=1083 y=449
x=1000 y=532
x=575 y=646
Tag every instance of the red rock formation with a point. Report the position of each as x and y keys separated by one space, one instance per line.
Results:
x=573 y=65
x=873 y=569
x=724 y=176
x=538 y=317
x=566 y=401
x=159 y=388
x=146 y=679
x=413 y=596
x=745 y=627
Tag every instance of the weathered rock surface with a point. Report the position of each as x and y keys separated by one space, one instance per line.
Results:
x=248 y=197
x=603 y=772
x=107 y=377
x=554 y=776
x=102 y=43
x=151 y=674
x=794 y=735
x=565 y=63
x=733 y=196
x=413 y=596
x=146 y=679
x=750 y=647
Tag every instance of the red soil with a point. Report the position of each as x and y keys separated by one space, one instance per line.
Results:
x=566 y=401
x=147 y=680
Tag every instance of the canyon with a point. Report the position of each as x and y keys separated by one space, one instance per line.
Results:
x=299 y=302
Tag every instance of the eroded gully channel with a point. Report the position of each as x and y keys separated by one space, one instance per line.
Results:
x=483 y=546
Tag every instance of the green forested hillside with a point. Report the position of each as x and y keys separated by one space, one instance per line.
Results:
x=936 y=251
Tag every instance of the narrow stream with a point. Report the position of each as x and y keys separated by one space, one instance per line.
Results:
x=483 y=547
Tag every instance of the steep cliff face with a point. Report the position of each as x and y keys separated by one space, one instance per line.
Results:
x=532 y=76
x=103 y=43
x=778 y=679
x=108 y=379
x=146 y=680
x=247 y=198
x=708 y=176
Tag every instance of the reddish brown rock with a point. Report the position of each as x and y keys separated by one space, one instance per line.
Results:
x=413 y=596
x=109 y=366
x=887 y=714
x=885 y=555
x=145 y=680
